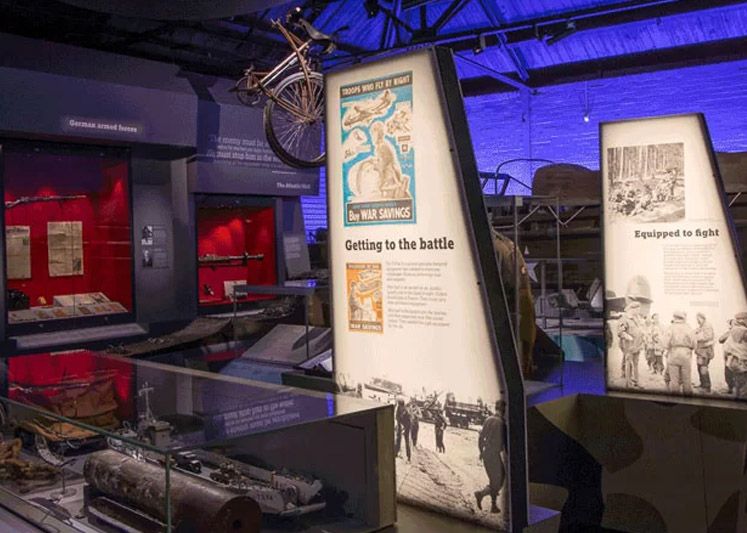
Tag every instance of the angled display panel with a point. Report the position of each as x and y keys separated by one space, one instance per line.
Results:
x=419 y=313
x=676 y=312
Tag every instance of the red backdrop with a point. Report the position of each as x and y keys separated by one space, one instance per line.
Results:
x=48 y=369
x=104 y=213
x=232 y=231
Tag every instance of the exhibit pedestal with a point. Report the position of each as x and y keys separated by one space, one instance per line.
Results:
x=640 y=463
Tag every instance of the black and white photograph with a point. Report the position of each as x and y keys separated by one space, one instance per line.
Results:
x=146 y=238
x=450 y=448
x=655 y=346
x=147 y=258
x=646 y=183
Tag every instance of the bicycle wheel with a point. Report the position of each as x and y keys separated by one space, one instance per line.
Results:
x=246 y=92
x=294 y=120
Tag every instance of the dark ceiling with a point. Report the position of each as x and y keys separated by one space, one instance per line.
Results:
x=520 y=43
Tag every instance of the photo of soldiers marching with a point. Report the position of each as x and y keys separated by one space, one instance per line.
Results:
x=448 y=452
x=684 y=352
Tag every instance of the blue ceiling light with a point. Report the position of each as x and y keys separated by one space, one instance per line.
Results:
x=479 y=47
x=372 y=8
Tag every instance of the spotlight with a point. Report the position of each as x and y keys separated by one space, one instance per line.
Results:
x=479 y=47
x=372 y=8
x=586 y=117
x=570 y=29
x=295 y=14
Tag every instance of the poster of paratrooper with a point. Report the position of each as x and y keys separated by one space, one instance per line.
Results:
x=378 y=155
x=411 y=326
x=676 y=312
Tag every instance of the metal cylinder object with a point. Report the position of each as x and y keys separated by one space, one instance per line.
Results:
x=196 y=503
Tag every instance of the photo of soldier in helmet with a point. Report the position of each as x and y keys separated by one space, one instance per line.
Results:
x=632 y=331
x=679 y=344
x=681 y=348
x=704 y=353
x=734 y=342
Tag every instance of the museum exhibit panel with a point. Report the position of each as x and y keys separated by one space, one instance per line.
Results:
x=419 y=315
x=681 y=307
x=100 y=443
x=68 y=235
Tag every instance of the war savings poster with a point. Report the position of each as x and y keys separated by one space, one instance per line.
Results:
x=676 y=309
x=411 y=328
x=378 y=171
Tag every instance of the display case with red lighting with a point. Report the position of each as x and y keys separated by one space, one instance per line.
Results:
x=47 y=380
x=68 y=236
x=236 y=245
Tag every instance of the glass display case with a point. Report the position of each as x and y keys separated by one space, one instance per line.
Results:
x=236 y=245
x=68 y=236
x=93 y=442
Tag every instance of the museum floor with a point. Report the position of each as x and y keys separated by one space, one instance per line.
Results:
x=411 y=520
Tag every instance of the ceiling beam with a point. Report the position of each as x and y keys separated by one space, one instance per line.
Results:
x=412 y=4
x=390 y=32
x=449 y=13
x=585 y=19
x=496 y=75
x=629 y=64
x=514 y=55
x=533 y=29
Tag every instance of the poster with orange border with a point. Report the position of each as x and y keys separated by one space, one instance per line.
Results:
x=364 y=290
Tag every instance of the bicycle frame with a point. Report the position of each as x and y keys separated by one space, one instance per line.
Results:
x=262 y=81
x=294 y=90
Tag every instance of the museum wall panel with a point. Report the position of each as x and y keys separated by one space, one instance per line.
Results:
x=104 y=218
x=151 y=195
x=186 y=134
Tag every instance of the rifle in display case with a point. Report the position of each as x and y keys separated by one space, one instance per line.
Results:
x=228 y=260
x=34 y=199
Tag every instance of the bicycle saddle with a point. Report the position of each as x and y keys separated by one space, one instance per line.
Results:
x=313 y=33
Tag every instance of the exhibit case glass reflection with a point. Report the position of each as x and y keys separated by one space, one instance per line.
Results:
x=236 y=245
x=93 y=442
x=68 y=235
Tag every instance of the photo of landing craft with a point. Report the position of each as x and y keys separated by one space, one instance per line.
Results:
x=463 y=414
x=294 y=93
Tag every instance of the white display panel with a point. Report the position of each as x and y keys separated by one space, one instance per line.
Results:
x=669 y=249
x=411 y=320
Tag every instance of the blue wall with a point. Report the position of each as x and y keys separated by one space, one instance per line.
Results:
x=550 y=125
